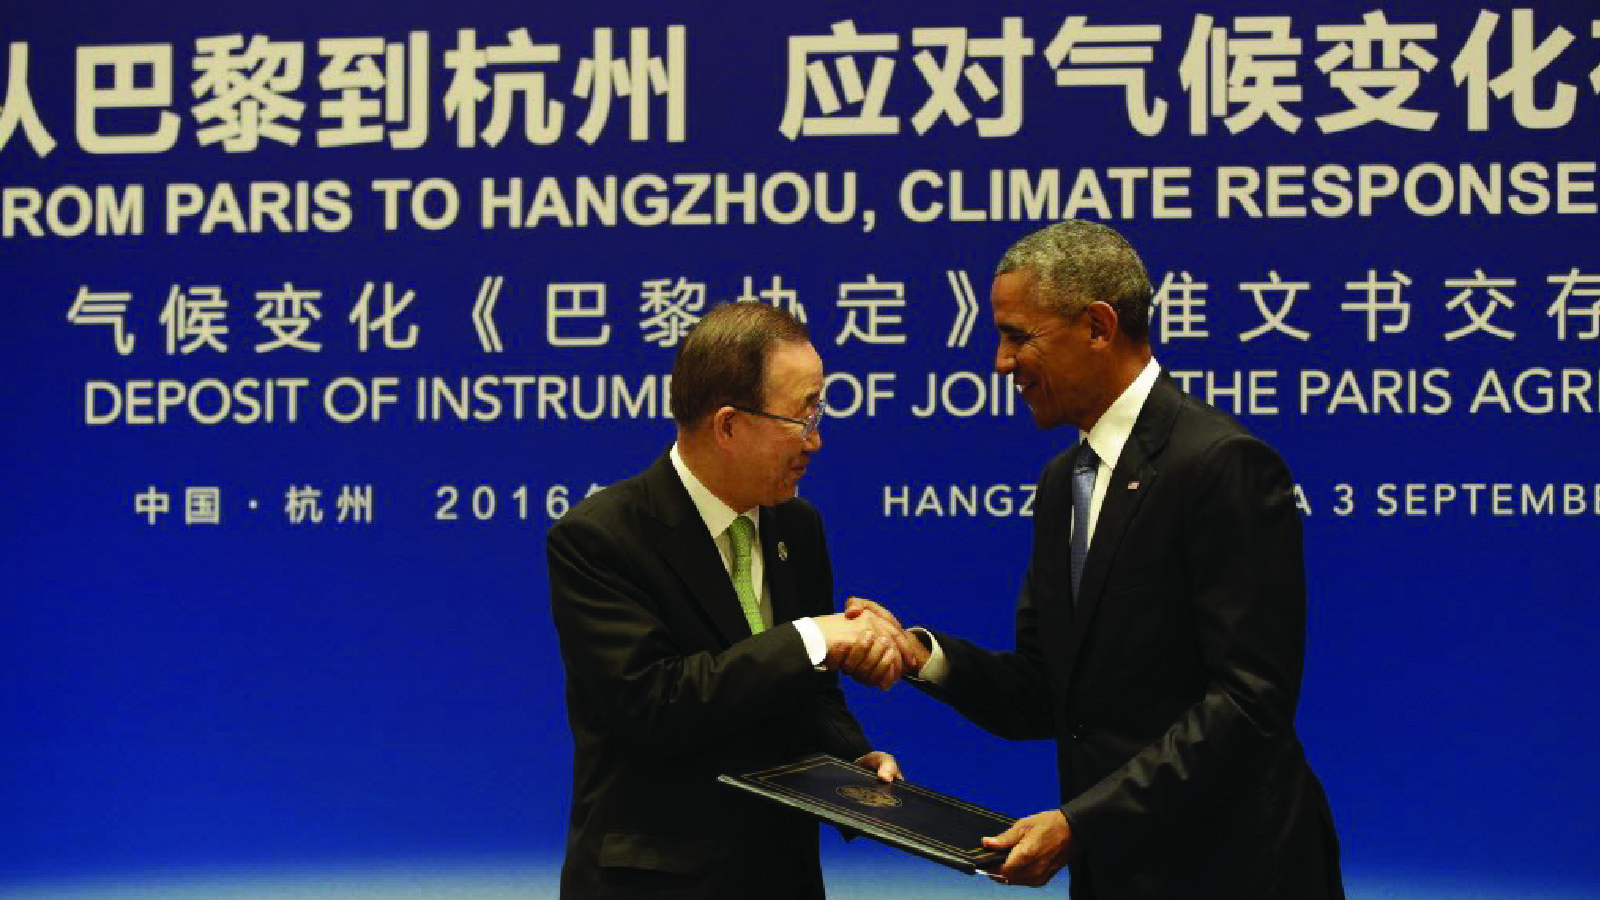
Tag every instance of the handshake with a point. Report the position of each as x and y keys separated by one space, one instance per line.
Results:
x=867 y=643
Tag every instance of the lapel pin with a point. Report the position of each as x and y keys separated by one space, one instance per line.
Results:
x=783 y=552
x=1133 y=485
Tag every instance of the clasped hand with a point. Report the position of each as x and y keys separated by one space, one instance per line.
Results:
x=867 y=643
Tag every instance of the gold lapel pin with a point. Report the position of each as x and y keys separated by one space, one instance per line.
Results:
x=783 y=552
x=1133 y=485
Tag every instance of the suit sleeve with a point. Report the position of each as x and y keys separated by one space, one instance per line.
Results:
x=1006 y=694
x=1241 y=537
x=622 y=660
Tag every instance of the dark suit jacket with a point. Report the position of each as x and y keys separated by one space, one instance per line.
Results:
x=1170 y=686
x=667 y=688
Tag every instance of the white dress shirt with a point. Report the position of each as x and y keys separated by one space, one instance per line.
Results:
x=1111 y=433
x=1108 y=436
x=717 y=516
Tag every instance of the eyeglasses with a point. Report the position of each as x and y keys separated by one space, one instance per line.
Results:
x=808 y=424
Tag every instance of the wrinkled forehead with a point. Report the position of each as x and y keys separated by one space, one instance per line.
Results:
x=1014 y=300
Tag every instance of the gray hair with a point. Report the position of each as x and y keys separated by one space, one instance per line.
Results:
x=1074 y=263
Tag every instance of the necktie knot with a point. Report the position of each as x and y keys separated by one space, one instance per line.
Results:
x=1087 y=458
x=742 y=533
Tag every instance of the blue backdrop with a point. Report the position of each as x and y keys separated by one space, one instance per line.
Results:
x=316 y=314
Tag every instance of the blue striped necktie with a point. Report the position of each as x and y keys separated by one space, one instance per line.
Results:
x=1084 y=469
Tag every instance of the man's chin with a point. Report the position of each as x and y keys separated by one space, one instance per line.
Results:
x=786 y=491
x=1045 y=420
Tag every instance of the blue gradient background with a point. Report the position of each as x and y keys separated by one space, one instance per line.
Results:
x=263 y=711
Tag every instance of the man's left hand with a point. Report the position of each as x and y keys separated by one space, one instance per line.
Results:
x=1040 y=845
x=882 y=763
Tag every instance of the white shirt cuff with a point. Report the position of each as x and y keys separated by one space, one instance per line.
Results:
x=938 y=665
x=816 y=645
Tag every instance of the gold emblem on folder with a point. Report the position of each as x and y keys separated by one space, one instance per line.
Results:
x=878 y=797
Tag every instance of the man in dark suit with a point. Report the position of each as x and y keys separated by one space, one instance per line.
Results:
x=694 y=605
x=1161 y=623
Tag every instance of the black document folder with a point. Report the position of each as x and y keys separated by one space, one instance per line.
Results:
x=901 y=814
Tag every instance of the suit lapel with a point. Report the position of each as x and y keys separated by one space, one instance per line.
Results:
x=1116 y=511
x=689 y=549
x=775 y=557
x=1132 y=479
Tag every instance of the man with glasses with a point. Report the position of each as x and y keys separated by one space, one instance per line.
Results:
x=694 y=605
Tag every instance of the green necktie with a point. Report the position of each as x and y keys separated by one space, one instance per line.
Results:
x=741 y=534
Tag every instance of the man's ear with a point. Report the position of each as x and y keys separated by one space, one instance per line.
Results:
x=1102 y=322
x=722 y=422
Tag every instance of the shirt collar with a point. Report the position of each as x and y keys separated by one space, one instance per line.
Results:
x=713 y=512
x=1111 y=433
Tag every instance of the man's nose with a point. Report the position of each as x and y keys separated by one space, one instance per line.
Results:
x=1004 y=360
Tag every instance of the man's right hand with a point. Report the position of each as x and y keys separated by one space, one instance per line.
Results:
x=869 y=648
x=913 y=651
